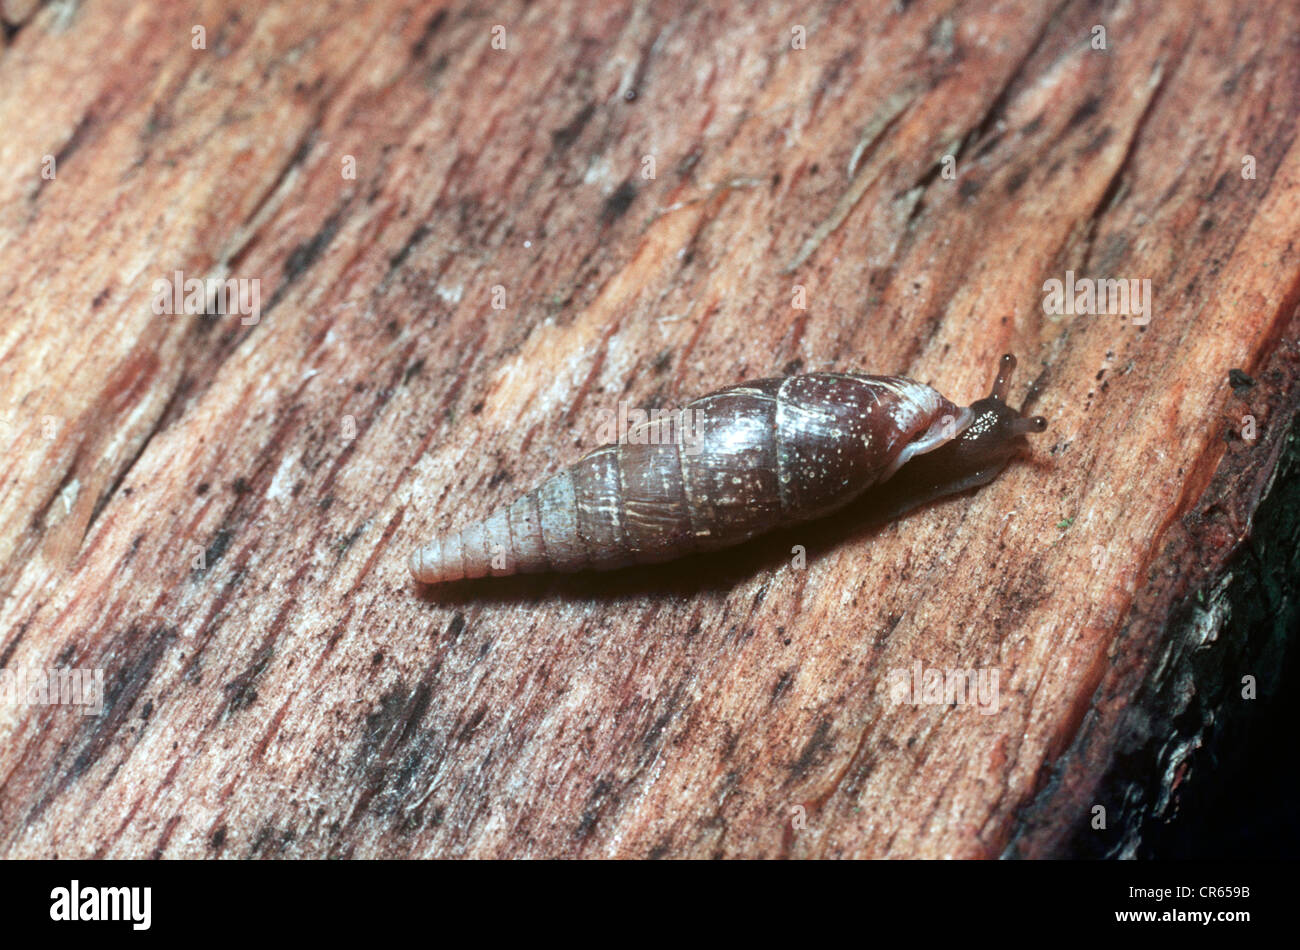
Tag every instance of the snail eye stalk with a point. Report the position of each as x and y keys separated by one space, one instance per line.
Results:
x=1002 y=385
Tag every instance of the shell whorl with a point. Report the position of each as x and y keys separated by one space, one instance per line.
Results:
x=763 y=454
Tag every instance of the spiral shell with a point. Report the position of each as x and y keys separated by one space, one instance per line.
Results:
x=767 y=453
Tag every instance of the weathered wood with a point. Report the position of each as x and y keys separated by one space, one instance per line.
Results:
x=217 y=513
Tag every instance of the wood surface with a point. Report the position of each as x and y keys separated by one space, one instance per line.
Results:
x=217 y=512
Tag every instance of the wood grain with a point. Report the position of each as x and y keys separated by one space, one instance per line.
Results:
x=217 y=512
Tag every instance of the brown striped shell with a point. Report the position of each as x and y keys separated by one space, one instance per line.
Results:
x=767 y=453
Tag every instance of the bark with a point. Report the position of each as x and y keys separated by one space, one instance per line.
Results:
x=464 y=253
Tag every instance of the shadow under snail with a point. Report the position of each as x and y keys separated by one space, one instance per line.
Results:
x=766 y=454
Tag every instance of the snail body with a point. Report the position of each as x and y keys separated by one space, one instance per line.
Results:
x=765 y=454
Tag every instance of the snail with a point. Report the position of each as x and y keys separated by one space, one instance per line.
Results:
x=763 y=454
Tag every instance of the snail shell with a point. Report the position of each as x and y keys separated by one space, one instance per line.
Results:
x=764 y=454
